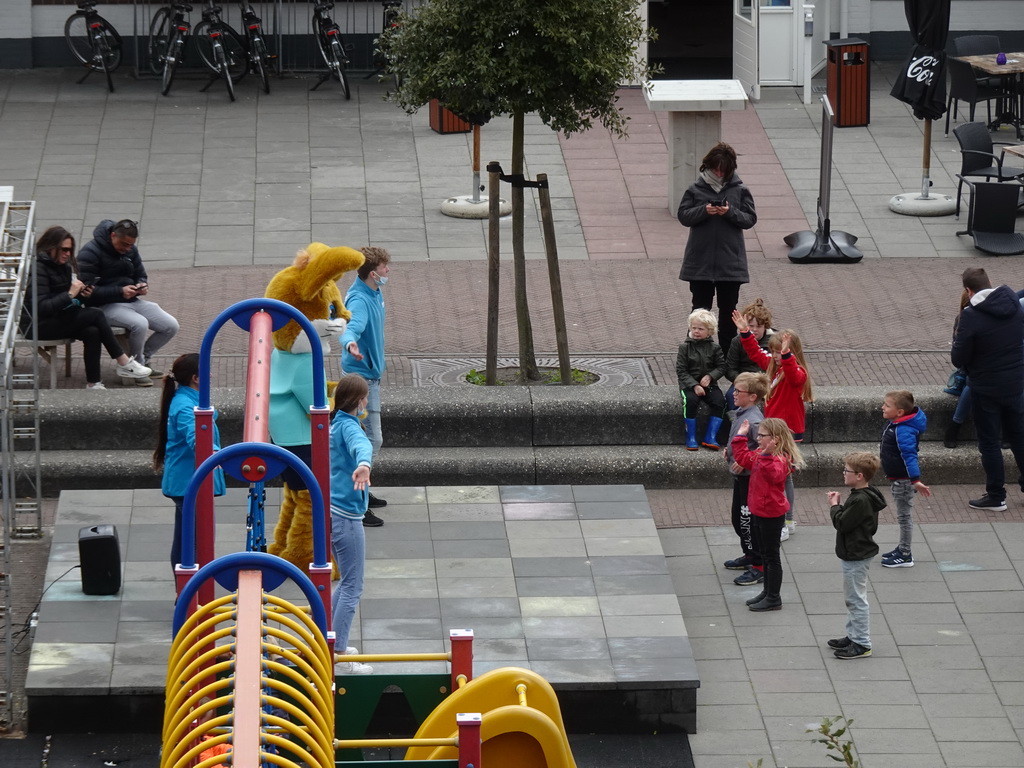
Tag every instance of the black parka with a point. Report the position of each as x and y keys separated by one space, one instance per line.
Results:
x=98 y=259
x=715 y=249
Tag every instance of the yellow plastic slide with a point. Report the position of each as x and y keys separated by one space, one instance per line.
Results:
x=513 y=735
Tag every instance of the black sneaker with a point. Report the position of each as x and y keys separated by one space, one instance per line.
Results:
x=370 y=520
x=989 y=503
x=852 y=651
x=839 y=642
x=741 y=563
x=748 y=578
x=768 y=604
x=376 y=503
x=898 y=559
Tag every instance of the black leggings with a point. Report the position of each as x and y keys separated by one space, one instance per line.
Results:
x=712 y=396
x=703 y=292
x=88 y=325
x=768 y=540
x=741 y=519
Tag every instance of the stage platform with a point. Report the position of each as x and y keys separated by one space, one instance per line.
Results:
x=570 y=581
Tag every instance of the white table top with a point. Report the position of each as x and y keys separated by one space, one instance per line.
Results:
x=695 y=95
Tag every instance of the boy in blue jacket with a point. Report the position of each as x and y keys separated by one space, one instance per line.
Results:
x=898 y=449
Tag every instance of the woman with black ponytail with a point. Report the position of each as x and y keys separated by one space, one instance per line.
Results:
x=175 y=452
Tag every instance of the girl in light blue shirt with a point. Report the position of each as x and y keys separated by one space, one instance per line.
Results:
x=351 y=457
x=175 y=453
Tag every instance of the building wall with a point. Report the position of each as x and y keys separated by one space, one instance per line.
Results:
x=31 y=31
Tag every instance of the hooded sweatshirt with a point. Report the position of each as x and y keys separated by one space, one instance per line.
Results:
x=856 y=522
x=989 y=343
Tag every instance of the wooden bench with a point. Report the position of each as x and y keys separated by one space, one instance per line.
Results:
x=47 y=349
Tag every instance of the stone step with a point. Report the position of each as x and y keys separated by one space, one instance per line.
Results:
x=654 y=466
x=469 y=417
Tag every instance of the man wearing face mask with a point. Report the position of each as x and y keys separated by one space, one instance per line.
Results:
x=362 y=346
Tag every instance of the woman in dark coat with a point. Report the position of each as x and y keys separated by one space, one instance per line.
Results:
x=61 y=314
x=717 y=208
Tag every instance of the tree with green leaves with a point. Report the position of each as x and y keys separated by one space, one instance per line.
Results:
x=563 y=59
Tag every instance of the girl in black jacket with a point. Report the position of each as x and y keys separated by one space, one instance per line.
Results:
x=61 y=315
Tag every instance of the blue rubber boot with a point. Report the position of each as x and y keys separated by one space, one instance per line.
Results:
x=710 y=437
x=691 y=434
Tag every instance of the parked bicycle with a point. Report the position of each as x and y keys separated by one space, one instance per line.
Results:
x=221 y=49
x=168 y=30
x=331 y=45
x=93 y=41
x=389 y=21
x=255 y=45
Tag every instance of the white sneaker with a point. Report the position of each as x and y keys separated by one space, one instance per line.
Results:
x=791 y=526
x=97 y=385
x=785 y=534
x=350 y=651
x=133 y=370
x=352 y=668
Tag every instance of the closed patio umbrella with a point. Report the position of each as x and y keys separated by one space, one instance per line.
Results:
x=921 y=83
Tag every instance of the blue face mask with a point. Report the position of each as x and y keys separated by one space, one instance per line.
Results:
x=380 y=281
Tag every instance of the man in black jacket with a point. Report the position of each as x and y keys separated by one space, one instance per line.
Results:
x=989 y=345
x=112 y=259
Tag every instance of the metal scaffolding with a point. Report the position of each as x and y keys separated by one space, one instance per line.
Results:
x=19 y=421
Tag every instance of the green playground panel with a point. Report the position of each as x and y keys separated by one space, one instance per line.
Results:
x=354 y=709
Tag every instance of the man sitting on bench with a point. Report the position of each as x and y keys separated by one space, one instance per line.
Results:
x=112 y=259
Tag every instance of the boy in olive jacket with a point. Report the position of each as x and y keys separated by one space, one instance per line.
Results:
x=856 y=522
x=699 y=365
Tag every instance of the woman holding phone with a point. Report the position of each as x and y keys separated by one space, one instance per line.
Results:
x=717 y=208
x=60 y=310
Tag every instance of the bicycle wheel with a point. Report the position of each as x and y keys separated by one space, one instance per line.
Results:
x=76 y=35
x=338 y=64
x=321 y=38
x=159 y=32
x=259 y=62
x=231 y=43
x=220 y=56
x=109 y=44
x=172 y=58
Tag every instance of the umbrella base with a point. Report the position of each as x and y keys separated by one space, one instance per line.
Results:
x=911 y=204
x=820 y=248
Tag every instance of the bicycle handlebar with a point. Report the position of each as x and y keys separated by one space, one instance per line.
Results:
x=323 y=5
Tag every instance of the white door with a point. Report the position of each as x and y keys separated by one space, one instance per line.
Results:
x=777 y=46
x=745 y=61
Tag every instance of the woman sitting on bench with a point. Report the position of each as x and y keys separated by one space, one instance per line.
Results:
x=61 y=314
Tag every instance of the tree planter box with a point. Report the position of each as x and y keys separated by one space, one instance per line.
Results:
x=445 y=121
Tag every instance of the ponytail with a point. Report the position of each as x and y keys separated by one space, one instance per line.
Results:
x=183 y=370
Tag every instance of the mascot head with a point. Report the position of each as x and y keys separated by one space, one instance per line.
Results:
x=310 y=285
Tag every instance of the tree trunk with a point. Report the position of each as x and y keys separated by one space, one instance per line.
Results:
x=527 y=358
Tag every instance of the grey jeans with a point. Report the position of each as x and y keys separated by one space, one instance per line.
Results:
x=903 y=494
x=140 y=317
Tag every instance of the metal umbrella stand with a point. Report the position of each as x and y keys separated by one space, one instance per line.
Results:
x=922 y=84
x=824 y=245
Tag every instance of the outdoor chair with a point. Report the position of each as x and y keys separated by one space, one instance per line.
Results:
x=992 y=219
x=964 y=86
x=978 y=160
x=979 y=45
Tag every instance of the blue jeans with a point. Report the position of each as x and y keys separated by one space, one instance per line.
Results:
x=179 y=502
x=348 y=541
x=372 y=421
x=903 y=494
x=963 y=405
x=994 y=415
x=855 y=590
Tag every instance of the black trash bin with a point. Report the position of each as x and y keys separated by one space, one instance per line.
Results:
x=848 y=81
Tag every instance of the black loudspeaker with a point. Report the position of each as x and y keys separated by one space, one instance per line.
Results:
x=100 y=556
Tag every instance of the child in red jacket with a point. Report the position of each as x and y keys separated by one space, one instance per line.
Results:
x=770 y=467
x=790 y=388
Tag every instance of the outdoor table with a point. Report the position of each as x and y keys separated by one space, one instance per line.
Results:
x=695 y=124
x=1012 y=74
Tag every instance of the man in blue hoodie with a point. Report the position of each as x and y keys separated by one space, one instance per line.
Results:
x=362 y=346
x=989 y=346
